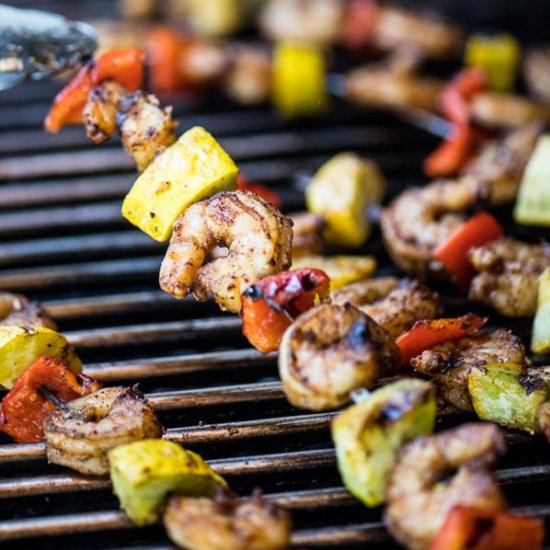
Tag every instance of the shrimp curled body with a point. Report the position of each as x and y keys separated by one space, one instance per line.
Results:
x=258 y=236
x=418 y=498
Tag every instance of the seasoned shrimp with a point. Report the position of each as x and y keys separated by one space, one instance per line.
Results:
x=418 y=495
x=16 y=309
x=307 y=228
x=508 y=273
x=145 y=128
x=390 y=87
x=330 y=351
x=100 y=112
x=398 y=27
x=227 y=523
x=258 y=238
x=449 y=364
x=395 y=305
x=499 y=165
x=420 y=219
x=248 y=78
x=500 y=110
x=310 y=21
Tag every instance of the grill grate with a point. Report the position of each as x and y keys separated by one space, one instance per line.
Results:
x=62 y=240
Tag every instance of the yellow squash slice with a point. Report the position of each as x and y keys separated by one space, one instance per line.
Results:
x=21 y=346
x=145 y=473
x=192 y=169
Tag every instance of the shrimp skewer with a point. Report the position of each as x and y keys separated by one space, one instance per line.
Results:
x=419 y=500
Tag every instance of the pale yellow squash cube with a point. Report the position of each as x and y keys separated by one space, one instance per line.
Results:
x=144 y=473
x=20 y=346
x=192 y=169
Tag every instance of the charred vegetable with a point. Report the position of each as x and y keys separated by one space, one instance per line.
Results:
x=330 y=351
x=508 y=395
x=81 y=434
x=227 y=523
x=271 y=304
x=21 y=346
x=341 y=191
x=340 y=269
x=144 y=473
x=540 y=339
x=474 y=528
x=533 y=202
x=190 y=170
x=30 y=401
x=368 y=435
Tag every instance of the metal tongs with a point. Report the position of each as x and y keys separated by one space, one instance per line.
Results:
x=36 y=44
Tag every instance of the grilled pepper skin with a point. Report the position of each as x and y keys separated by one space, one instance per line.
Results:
x=368 y=435
x=145 y=472
x=270 y=304
x=472 y=528
x=508 y=394
x=24 y=408
x=125 y=65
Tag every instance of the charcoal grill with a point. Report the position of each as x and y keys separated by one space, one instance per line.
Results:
x=63 y=241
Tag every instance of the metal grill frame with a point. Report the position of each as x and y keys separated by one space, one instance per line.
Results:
x=62 y=240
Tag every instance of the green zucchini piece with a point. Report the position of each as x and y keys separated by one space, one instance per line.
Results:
x=508 y=394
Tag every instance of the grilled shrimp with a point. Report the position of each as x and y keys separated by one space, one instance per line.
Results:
x=307 y=228
x=499 y=165
x=397 y=27
x=310 y=21
x=81 y=434
x=420 y=219
x=536 y=70
x=449 y=364
x=16 y=309
x=418 y=496
x=395 y=305
x=145 y=128
x=258 y=236
x=248 y=78
x=330 y=351
x=393 y=84
x=499 y=110
x=227 y=523
x=508 y=273
x=100 y=112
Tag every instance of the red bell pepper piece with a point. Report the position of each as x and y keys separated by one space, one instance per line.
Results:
x=25 y=407
x=456 y=96
x=453 y=253
x=271 y=304
x=472 y=528
x=259 y=189
x=125 y=65
x=455 y=100
x=426 y=334
x=451 y=155
x=360 y=23
x=165 y=48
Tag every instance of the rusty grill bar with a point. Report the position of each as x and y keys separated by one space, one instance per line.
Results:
x=62 y=240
